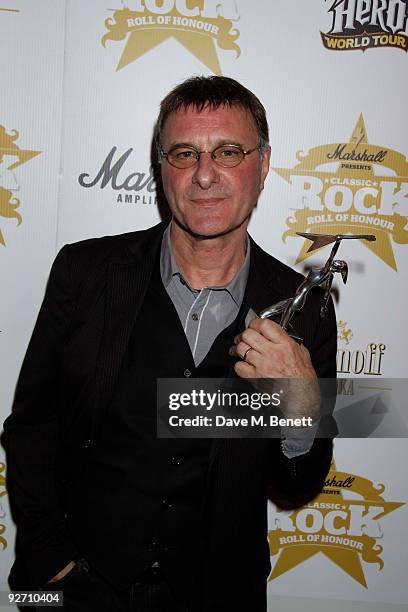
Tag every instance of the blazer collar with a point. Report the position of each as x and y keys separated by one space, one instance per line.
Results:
x=266 y=283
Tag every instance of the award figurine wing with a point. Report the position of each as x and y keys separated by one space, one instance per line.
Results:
x=317 y=277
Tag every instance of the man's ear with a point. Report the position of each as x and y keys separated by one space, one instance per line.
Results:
x=265 y=161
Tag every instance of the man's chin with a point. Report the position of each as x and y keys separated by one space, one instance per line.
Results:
x=205 y=230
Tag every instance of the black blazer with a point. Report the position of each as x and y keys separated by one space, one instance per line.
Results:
x=95 y=290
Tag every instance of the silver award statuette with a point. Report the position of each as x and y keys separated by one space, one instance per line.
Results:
x=317 y=277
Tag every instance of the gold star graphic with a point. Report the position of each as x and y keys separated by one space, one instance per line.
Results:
x=144 y=32
x=346 y=551
x=140 y=43
x=8 y=148
x=373 y=198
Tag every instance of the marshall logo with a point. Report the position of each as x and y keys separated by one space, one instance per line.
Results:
x=342 y=523
x=350 y=188
x=11 y=157
x=364 y=24
x=135 y=188
x=197 y=24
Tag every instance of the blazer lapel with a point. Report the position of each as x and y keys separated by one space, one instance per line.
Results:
x=266 y=285
x=126 y=288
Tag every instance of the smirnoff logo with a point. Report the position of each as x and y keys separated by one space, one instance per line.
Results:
x=356 y=361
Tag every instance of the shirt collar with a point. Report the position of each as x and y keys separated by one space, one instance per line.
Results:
x=170 y=270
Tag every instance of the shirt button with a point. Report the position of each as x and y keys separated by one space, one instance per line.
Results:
x=153 y=546
x=176 y=460
x=195 y=316
x=166 y=504
x=187 y=373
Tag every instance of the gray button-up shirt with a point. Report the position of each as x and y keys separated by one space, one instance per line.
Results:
x=206 y=312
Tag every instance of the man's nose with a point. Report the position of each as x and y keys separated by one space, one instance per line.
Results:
x=205 y=171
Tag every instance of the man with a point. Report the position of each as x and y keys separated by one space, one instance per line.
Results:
x=106 y=511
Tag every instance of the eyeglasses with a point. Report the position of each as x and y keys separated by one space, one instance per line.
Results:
x=224 y=155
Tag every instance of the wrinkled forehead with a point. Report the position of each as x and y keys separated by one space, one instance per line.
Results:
x=209 y=124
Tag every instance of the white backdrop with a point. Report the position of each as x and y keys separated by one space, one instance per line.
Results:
x=77 y=101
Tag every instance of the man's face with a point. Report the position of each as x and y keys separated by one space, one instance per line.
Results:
x=209 y=200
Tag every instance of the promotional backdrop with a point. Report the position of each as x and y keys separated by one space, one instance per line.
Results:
x=81 y=86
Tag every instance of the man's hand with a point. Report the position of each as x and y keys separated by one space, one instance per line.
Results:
x=62 y=573
x=267 y=352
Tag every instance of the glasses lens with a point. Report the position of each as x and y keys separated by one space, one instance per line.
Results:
x=225 y=155
x=182 y=157
x=228 y=155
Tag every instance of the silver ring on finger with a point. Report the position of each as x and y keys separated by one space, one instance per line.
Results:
x=246 y=353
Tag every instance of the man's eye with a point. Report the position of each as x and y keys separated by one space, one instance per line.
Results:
x=228 y=152
x=183 y=153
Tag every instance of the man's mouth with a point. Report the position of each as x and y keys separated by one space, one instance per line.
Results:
x=207 y=201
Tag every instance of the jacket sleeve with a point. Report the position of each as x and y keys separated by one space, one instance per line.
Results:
x=32 y=432
x=294 y=482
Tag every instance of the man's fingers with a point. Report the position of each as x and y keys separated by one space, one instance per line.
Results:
x=305 y=356
x=243 y=351
x=270 y=353
x=245 y=370
x=269 y=329
x=253 y=339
